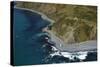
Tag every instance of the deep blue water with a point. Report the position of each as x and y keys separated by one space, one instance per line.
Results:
x=30 y=46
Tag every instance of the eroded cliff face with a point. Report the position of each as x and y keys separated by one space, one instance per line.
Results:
x=73 y=23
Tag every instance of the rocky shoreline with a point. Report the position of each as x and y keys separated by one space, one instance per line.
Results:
x=75 y=47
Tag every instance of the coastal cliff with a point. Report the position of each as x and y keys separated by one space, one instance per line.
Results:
x=73 y=23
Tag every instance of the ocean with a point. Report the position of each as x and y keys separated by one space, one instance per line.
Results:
x=33 y=46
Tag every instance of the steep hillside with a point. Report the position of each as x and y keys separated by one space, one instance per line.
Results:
x=73 y=23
